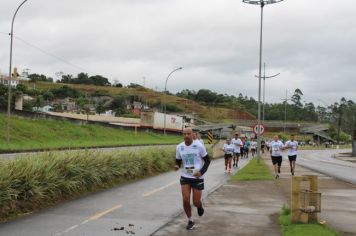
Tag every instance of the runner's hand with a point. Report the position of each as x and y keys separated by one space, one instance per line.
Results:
x=176 y=167
x=197 y=174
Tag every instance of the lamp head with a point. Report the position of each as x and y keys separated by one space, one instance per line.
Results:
x=261 y=2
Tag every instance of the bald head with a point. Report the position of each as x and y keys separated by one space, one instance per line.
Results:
x=188 y=136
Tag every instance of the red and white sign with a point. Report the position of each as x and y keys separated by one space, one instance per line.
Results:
x=262 y=129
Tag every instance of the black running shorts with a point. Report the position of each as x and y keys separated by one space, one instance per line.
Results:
x=194 y=183
x=227 y=156
x=292 y=158
x=277 y=160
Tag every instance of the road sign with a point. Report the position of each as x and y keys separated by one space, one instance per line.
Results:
x=210 y=137
x=262 y=129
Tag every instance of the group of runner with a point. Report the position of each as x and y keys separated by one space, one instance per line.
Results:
x=276 y=148
x=236 y=148
x=193 y=161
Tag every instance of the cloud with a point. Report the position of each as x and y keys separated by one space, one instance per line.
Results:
x=217 y=43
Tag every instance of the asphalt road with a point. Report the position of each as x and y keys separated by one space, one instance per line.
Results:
x=323 y=161
x=138 y=208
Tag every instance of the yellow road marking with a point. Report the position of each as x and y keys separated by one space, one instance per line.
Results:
x=101 y=214
x=158 y=189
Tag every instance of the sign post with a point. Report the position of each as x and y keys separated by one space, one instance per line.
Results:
x=260 y=127
x=210 y=137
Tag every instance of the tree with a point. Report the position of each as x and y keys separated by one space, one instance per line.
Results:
x=22 y=88
x=297 y=97
x=48 y=96
x=100 y=108
x=99 y=80
x=66 y=79
x=65 y=91
x=337 y=111
x=133 y=85
x=118 y=104
x=39 y=77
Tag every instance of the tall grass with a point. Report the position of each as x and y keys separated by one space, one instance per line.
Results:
x=31 y=183
x=41 y=134
x=291 y=229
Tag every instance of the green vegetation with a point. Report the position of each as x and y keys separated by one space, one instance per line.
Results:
x=146 y=96
x=290 y=229
x=42 y=134
x=31 y=183
x=254 y=171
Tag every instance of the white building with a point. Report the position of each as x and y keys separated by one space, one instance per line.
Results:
x=5 y=81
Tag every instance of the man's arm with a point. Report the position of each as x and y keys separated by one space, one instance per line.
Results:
x=205 y=166
x=178 y=164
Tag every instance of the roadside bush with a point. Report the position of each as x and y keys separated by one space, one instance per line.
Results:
x=31 y=183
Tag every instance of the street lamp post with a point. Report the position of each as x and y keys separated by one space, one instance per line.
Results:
x=264 y=89
x=285 y=111
x=10 y=75
x=165 y=98
x=262 y=3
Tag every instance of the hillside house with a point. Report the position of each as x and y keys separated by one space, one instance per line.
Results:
x=5 y=81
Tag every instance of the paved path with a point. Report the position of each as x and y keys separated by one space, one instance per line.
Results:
x=146 y=204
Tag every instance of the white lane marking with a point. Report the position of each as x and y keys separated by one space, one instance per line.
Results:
x=101 y=214
x=94 y=217
x=84 y=222
x=159 y=189
x=71 y=228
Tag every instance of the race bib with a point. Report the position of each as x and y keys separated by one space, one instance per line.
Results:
x=189 y=170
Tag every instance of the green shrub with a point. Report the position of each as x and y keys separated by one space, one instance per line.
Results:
x=31 y=183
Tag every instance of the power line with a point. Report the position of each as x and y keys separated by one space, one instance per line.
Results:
x=79 y=68
x=52 y=55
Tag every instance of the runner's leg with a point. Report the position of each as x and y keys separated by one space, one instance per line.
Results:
x=197 y=197
x=186 y=189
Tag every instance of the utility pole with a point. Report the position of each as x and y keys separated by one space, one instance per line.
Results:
x=285 y=110
x=264 y=89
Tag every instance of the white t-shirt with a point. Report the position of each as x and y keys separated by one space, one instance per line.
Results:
x=201 y=141
x=253 y=145
x=276 y=147
x=228 y=148
x=237 y=144
x=292 y=147
x=192 y=158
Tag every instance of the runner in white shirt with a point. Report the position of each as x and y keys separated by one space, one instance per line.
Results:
x=253 y=147
x=200 y=139
x=229 y=152
x=276 y=154
x=292 y=147
x=195 y=162
x=237 y=145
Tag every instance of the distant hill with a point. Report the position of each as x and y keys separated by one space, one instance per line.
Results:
x=151 y=97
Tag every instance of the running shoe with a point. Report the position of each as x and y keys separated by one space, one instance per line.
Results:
x=190 y=225
x=200 y=210
x=279 y=169
x=277 y=176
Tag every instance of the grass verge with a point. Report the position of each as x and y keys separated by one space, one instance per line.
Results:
x=31 y=183
x=41 y=134
x=253 y=171
x=290 y=229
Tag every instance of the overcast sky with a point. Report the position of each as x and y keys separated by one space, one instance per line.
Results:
x=311 y=43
